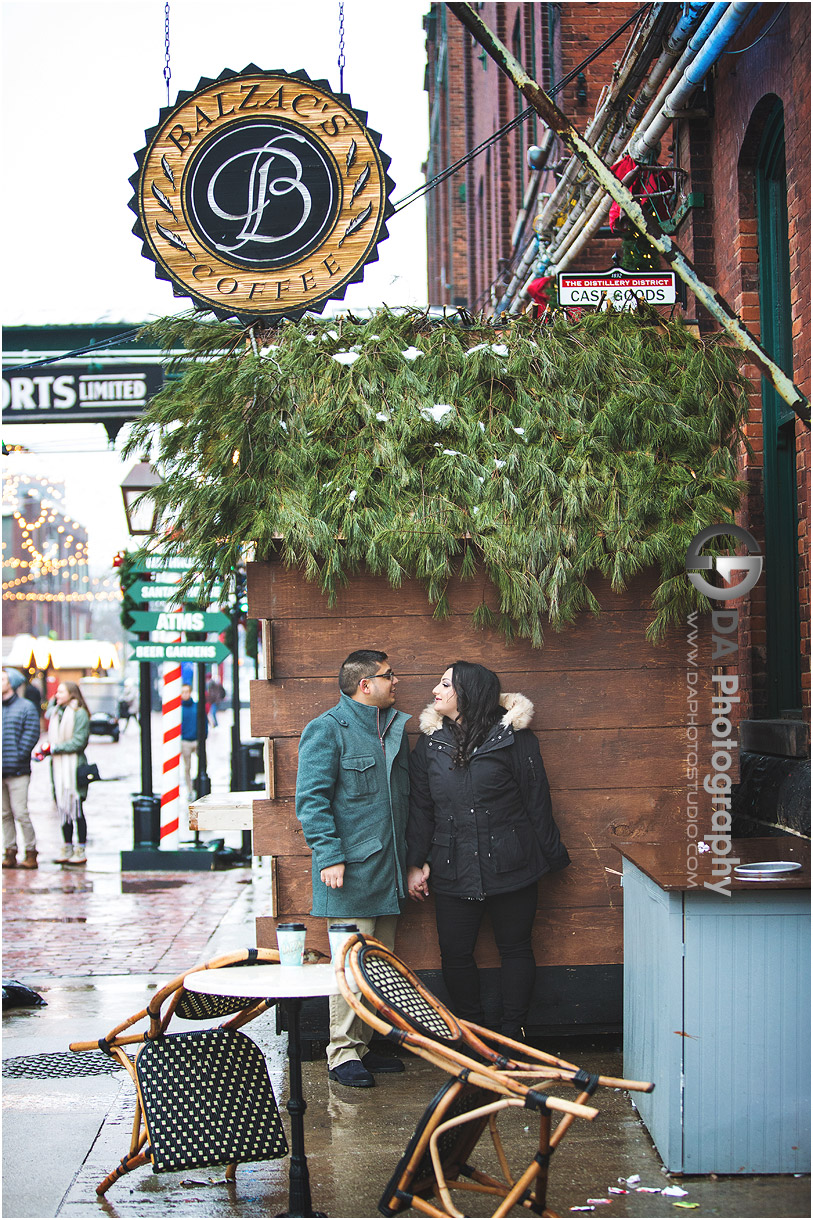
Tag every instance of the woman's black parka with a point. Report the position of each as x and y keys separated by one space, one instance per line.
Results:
x=485 y=828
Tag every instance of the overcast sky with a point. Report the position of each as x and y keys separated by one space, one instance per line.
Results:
x=82 y=82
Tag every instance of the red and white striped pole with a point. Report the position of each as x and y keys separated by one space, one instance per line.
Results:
x=171 y=738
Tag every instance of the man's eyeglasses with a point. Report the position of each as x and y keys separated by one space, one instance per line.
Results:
x=387 y=675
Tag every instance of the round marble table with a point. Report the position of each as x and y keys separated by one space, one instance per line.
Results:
x=289 y=985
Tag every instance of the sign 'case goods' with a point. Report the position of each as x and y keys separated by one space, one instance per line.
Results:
x=261 y=195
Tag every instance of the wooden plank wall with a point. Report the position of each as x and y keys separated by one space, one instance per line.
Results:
x=611 y=714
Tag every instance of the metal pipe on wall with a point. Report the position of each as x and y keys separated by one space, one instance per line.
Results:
x=716 y=305
x=697 y=40
x=593 y=132
x=693 y=76
x=675 y=44
x=703 y=50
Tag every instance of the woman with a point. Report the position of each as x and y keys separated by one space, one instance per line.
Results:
x=68 y=733
x=481 y=827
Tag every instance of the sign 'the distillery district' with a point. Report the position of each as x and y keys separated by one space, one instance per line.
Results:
x=261 y=195
x=622 y=289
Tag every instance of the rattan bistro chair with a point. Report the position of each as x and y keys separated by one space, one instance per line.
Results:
x=490 y=1074
x=203 y=1097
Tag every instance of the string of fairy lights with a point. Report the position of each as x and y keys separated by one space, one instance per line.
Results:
x=47 y=547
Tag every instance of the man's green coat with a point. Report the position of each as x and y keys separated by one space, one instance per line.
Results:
x=352 y=798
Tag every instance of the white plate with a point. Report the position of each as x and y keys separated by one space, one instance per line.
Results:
x=766 y=870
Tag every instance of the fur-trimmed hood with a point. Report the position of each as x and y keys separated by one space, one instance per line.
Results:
x=518 y=714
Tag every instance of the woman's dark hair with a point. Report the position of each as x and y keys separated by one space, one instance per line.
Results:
x=478 y=706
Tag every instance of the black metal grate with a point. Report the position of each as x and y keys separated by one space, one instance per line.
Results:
x=60 y=1063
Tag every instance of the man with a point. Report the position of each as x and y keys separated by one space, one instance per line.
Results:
x=352 y=793
x=189 y=734
x=21 y=730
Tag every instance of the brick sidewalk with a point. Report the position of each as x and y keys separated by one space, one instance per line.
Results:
x=94 y=920
x=59 y=923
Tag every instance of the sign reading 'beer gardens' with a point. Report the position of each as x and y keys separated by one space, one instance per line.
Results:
x=261 y=195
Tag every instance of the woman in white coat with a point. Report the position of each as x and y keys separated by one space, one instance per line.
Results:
x=68 y=733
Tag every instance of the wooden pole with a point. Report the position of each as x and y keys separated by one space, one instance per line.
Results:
x=547 y=109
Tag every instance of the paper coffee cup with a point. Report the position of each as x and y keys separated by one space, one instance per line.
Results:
x=338 y=934
x=291 y=943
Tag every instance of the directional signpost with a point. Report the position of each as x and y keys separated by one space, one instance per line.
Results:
x=179 y=620
x=166 y=590
x=156 y=581
x=210 y=653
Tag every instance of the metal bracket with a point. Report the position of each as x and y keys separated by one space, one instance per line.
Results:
x=696 y=199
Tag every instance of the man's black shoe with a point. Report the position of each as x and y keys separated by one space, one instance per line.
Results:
x=352 y=1073
x=382 y=1063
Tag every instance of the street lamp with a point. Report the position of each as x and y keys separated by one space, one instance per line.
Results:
x=142 y=519
x=142 y=515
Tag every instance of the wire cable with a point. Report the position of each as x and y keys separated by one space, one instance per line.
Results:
x=125 y=336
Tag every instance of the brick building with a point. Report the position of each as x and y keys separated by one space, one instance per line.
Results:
x=739 y=208
x=45 y=572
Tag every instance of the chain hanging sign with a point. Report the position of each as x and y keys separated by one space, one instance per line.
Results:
x=261 y=195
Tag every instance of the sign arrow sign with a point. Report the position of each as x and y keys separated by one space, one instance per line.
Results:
x=166 y=563
x=150 y=591
x=179 y=620
x=213 y=652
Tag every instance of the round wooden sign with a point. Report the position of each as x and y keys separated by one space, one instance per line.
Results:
x=261 y=195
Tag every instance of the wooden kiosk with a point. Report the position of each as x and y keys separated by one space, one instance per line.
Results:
x=610 y=714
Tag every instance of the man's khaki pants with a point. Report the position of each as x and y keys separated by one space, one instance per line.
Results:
x=15 y=809
x=188 y=748
x=349 y=1035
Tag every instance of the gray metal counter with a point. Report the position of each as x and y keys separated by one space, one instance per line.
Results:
x=717 y=1008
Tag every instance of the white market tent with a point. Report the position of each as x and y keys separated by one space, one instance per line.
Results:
x=44 y=653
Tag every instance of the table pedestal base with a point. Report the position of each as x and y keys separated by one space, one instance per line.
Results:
x=299 y=1184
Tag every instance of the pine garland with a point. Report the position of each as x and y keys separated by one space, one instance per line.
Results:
x=537 y=453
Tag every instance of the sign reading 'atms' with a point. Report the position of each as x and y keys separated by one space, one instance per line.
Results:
x=261 y=195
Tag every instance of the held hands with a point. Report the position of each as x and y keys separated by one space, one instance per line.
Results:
x=418 y=882
x=333 y=877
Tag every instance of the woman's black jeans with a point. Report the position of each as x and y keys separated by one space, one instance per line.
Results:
x=458 y=923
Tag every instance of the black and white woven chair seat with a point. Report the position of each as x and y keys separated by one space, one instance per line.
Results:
x=402 y=992
x=207 y=1100
x=196 y=1006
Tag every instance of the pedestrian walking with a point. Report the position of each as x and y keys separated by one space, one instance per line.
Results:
x=68 y=733
x=352 y=790
x=128 y=704
x=21 y=730
x=189 y=734
x=215 y=694
x=481 y=831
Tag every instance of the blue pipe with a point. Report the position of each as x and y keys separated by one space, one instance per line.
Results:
x=705 y=28
x=709 y=42
x=711 y=51
x=691 y=16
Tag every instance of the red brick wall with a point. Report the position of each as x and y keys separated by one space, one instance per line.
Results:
x=477 y=100
x=717 y=150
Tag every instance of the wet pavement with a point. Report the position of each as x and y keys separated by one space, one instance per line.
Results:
x=95 y=943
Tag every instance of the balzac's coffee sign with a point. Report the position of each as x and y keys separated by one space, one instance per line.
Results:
x=261 y=195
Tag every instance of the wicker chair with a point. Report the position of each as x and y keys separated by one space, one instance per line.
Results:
x=203 y=1097
x=490 y=1074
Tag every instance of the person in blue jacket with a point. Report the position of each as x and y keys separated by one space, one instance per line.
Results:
x=352 y=795
x=189 y=734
